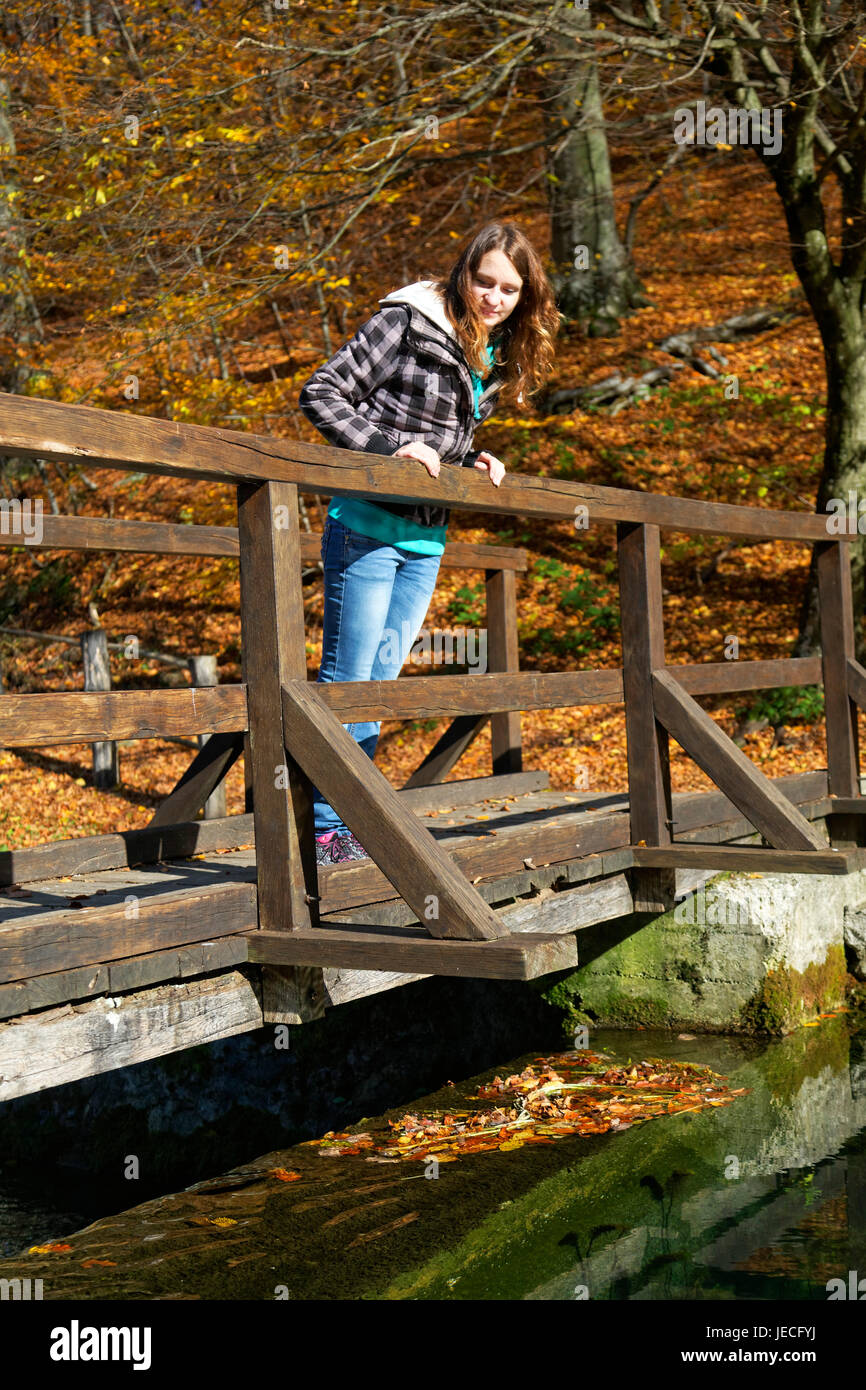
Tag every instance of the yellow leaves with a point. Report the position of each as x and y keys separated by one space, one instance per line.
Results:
x=219 y=1221
x=240 y=135
x=55 y=1247
x=100 y=196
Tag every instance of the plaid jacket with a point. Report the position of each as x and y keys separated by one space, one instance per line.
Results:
x=402 y=377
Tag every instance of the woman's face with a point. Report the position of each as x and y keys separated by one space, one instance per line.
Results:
x=495 y=287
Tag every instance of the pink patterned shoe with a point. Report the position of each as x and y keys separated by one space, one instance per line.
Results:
x=325 y=847
x=354 y=849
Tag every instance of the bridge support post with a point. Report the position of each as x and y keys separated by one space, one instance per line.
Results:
x=836 y=610
x=274 y=652
x=503 y=655
x=643 y=650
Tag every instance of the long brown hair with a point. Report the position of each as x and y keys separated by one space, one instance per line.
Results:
x=523 y=343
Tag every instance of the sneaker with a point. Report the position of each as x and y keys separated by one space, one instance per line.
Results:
x=355 y=850
x=338 y=849
x=325 y=846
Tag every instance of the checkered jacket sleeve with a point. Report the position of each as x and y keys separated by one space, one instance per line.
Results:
x=330 y=396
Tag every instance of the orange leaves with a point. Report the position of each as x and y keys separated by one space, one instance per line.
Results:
x=102 y=1264
x=573 y=1094
x=54 y=1247
x=339 y=1145
x=283 y=1175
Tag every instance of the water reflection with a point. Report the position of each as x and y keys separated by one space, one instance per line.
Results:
x=764 y=1198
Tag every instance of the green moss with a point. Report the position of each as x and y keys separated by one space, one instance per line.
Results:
x=630 y=1010
x=565 y=997
x=692 y=976
x=788 y=998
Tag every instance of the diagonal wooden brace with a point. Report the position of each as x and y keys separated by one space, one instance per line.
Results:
x=856 y=683
x=205 y=772
x=448 y=750
x=423 y=873
x=751 y=792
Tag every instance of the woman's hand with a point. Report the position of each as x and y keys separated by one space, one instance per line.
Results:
x=491 y=465
x=415 y=449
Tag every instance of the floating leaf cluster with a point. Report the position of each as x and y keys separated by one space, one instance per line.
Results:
x=572 y=1094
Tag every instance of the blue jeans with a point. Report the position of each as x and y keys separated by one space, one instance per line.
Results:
x=376 y=599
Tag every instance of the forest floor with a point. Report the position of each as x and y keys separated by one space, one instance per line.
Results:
x=712 y=246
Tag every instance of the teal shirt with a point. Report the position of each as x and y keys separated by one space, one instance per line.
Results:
x=369 y=520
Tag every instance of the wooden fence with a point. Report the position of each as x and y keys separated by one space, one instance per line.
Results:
x=291 y=730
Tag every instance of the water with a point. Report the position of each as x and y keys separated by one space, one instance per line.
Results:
x=764 y=1198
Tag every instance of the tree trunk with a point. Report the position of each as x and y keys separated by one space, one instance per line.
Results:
x=20 y=325
x=594 y=279
x=844 y=470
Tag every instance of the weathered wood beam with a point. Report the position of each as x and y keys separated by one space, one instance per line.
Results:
x=721 y=677
x=435 y=697
x=55 y=431
x=92 y=853
x=503 y=654
x=848 y=805
x=446 y=751
x=68 y=1043
x=484 y=856
x=147 y=921
x=405 y=851
x=520 y=957
x=751 y=792
x=856 y=682
x=274 y=652
x=41 y=721
x=836 y=610
x=465 y=791
x=643 y=648
x=205 y=772
x=166 y=538
x=118 y=976
x=747 y=859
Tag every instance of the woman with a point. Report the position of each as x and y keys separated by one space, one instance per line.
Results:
x=413 y=383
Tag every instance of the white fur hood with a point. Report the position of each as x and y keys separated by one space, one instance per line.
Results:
x=423 y=297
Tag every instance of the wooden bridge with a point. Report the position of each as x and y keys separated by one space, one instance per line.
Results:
x=118 y=947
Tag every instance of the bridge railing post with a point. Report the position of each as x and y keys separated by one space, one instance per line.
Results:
x=503 y=654
x=643 y=650
x=273 y=653
x=836 y=611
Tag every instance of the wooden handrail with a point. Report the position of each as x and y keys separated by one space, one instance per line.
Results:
x=57 y=432
x=72 y=716
x=171 y=538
